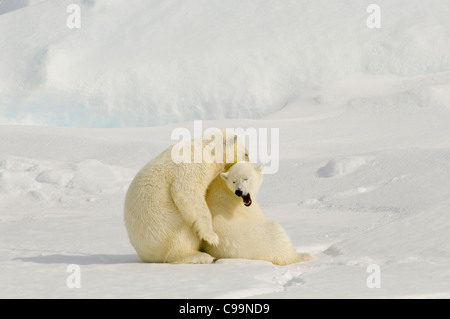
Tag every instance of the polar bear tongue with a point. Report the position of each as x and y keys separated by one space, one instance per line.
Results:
x=247 y=200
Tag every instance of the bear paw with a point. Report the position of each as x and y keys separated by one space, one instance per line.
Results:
x=210 y=237
x=195 y=258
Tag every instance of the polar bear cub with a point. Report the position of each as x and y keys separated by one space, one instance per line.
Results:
x=243 y=229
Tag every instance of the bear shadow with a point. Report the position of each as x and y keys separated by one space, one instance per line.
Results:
x=99 y=259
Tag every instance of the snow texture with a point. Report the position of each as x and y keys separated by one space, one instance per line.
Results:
x=364 y=174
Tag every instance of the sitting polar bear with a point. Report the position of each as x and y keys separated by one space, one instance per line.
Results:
x=166 y=214
x=243 y=229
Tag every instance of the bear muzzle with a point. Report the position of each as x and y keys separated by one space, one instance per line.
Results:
x=247 y=199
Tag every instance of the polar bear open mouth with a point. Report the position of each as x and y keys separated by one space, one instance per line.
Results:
x=247 y=199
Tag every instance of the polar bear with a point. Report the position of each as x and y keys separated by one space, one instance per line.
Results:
x=165 y=213
x=243 y=229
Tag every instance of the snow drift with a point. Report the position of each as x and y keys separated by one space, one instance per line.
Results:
x=147 y=62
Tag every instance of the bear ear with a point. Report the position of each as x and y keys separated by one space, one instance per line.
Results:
x=224 y=175
x=260 y=168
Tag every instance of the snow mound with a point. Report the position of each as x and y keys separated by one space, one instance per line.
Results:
x=47 y=183
x=147 y=62
x=341 y=166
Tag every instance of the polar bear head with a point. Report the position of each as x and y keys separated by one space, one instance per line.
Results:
x=228 y=147
x=217 y=146
x=244 y=180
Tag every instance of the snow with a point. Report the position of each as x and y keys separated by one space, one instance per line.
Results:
x=364 y=167
x=145 y=63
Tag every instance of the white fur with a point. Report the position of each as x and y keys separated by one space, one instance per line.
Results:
x=245 y=232
x=166 y=214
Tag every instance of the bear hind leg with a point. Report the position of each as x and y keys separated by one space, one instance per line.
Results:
x=184 y=248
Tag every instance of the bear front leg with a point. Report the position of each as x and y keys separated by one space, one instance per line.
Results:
x=203 y=227
x=191 y=204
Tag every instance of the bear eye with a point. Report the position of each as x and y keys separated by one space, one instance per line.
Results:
x=245 y=178
x=234 y=181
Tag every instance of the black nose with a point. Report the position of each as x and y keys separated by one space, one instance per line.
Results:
x=238 y=192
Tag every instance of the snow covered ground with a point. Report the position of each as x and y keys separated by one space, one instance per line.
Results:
x=363 y=114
